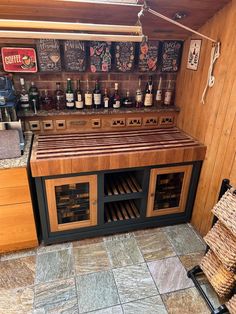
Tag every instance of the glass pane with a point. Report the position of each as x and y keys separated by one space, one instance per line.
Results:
x=72 y=202
x=168 y=190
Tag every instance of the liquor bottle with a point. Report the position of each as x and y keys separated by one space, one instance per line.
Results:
x=159 y=94
x=70 y=104
x=139 y=96
x=34 y=97
x=127 y=101
x=97 y=96
x=106 y=99
x=24 y=96
x=59 y=96
x=46 y=101
x=79 y=103
x=116 y=98
x=169 y=94
x=88 y=98
x=148 y=100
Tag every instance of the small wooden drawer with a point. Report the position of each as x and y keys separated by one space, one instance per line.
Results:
x=14 y=195
x=13 y=177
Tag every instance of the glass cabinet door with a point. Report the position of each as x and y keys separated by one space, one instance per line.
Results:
x=168 y=190
x=72 y=202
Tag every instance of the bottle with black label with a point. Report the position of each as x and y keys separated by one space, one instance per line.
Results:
x=106 y=99
x=159 y=94
x=59 y=97
x=97 y=96
x=79 y=103
x=127 y=101
x=148 y=100
x=139 y=96
x=34 y=97
x=116 y=98
x=70 y=103
x=24 y=96
x=88 y=98
x=169 y=94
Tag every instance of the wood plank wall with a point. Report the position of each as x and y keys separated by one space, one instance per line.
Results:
x=213 y=123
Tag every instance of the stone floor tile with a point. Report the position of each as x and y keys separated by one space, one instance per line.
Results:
x=186 y=301
x=17 y=301
x=17 y=254
x=110 y=310
x=155 y=246
x=118 y=236
x=184 y=239
x=191 y=260
x=17 y=273
x=153 y=305
x=96 y=291
x=148 y=231
x=54 y=265
x=124 y=252
x=87 y=241
x=91 y=258
x=169 y=275
x=54 y=247
x=56 y=297
x=134 y=282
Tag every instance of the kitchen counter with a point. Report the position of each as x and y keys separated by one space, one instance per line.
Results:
x=19 y=161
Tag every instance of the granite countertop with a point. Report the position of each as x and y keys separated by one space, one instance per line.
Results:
x=19 y=161
x=102 y=111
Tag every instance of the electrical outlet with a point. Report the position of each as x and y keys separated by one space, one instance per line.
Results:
x=34 y=125
x=167 y=120
x=47 y=125
x=60 y=124
x=96 y=123
x=150 y=121
x=118 y=122
x=134 y=121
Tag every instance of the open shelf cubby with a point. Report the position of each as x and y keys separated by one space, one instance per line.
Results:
x=122 y=210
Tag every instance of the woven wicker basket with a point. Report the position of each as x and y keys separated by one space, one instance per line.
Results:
x=231 y=304
x=220 y=278
x=223 y=244
x=225 y=210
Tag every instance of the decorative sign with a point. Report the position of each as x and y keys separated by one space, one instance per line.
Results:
x=124 y=56
x=74 y=55
x=100 y=56
x=148 y=56
x=171 y=55
x=194 y=54
x=19 y=59
x=49 y=56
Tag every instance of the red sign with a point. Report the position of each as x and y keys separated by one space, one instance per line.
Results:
x=19 y=59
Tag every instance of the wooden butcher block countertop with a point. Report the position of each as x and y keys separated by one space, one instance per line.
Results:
x=85 y=152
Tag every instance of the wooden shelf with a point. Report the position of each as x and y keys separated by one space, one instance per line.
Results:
x=120 y=211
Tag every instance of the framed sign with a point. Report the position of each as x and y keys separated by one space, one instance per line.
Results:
x=194 y=54
x=148 y=56
x=19 y=60
x=124 y=56
x=171 y=55
x=100 y=56
x=49 y=55
x=74 y=55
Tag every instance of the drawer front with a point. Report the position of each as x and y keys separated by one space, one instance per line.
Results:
x=17 y=227
x=14 y=195
x=13 y=177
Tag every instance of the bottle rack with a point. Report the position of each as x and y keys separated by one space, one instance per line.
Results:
x=119 y=211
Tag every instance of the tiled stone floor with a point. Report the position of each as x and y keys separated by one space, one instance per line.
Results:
x=140 y=272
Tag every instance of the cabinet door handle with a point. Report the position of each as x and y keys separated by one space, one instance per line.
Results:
x=94 y=203
x=152 y=194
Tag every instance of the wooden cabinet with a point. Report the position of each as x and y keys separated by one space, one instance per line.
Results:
x=168 y=190
x=72 y=202
x=17 y=223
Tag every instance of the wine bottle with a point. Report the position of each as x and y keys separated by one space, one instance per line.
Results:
x=79 y=103
x=88 y=98
x=106 y=99
x=159 y=94
x=34 y=97
x=59 y=97
x=97 y=96
x=139 y=96
x=169 y=94
x=148 y=100
x=24 y=96
x=116 y=98
x=127 y=101
x=70 y=104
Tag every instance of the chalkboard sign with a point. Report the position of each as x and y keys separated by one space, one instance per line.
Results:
x=148 y=56
x=171 y=55
x=49 y=57
x=100 y=56
x=74 y=55
x=124 y=56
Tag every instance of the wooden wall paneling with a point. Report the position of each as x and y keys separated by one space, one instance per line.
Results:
x=212 y=123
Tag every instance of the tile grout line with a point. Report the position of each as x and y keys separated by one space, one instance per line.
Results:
x=75 y=277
